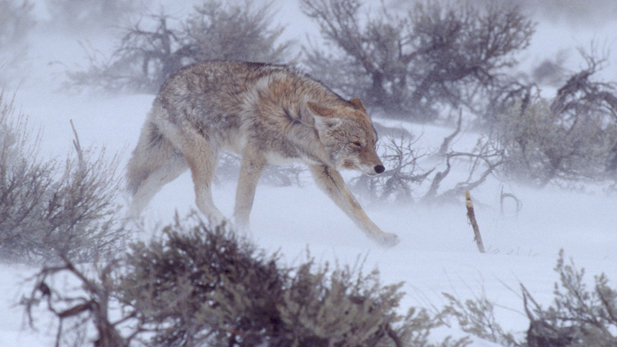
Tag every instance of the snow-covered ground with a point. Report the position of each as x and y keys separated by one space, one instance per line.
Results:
x=436 y=253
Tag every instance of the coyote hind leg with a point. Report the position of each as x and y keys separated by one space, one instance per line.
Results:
x=202 y=159
x=163 y=174
x=155 y=162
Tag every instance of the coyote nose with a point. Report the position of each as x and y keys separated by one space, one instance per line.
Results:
x=379 y=168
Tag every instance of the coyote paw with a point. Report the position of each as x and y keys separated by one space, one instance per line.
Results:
x=388 y=240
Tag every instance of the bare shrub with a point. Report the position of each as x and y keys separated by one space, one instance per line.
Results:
x=564 y=140
x=403 y=170
x=484 y=160
x=438 y=54
x=570 y=138
x=79 y=307
x=141 y=63
x=236 y=32
x=160 y=45
x=500 y=97
x=50 y=209
x=578 y=316
x=477 y=317
x=408 y=170
x=581 y=99
x=198 y=286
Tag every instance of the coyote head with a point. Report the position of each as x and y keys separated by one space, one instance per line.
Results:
x=348 y=135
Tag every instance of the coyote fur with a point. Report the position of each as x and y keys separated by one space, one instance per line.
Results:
x=267 y=114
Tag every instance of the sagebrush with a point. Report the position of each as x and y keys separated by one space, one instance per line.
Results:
x=158 y=45
x=415 y=63
x=51 y=208
x=202 y=286
x=578 y=317
x=564 y=140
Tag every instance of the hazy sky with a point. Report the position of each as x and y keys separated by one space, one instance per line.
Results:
x=575 y=12
x=587 y=12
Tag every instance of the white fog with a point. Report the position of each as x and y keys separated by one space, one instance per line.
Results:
x=436 y=253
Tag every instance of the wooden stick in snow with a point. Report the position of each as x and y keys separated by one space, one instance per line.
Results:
x=474 y=224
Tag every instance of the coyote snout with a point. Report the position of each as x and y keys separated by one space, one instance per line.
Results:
x=268 y=114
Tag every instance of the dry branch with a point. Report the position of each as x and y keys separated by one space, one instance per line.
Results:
x=445 y=145
x=519 y=203
x=474 y=224
x=90 y=305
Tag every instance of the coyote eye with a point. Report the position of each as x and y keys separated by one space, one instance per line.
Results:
x=356 y=144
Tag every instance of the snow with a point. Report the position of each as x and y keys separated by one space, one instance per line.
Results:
x=436 y=254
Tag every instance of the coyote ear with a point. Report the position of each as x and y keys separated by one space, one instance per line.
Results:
x=319 y=110
x=323 y=116
x=358 y=104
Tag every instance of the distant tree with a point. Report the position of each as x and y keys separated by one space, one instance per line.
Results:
x=215 y=31
x=16 y=20
x=440 y=53
x=498 y=98
x=243 y=32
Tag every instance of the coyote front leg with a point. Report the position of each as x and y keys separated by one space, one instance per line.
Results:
x=250 y=171
x=332 y=183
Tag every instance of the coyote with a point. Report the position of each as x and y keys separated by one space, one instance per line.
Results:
x=267 y=114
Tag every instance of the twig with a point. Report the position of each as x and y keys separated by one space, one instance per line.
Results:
x=474 y=224
x=519 y=203
x=392 y=334
x=80 y=152
x=439 y=176
x=445 y=145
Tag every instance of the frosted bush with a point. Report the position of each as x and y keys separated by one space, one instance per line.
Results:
x=159 y=45
x=49 y=209
x=544 y=145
